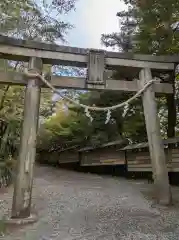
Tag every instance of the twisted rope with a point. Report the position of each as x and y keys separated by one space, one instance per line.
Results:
x=30 y=74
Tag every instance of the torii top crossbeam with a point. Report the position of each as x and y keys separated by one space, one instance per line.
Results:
x=65 y=55
x=95 y=60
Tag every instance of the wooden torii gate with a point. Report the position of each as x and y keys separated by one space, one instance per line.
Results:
x=97 y=61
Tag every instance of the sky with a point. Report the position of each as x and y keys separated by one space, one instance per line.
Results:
x=91 y=19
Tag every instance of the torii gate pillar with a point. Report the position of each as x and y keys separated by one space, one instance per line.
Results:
x=159 y=167
x=21 y=207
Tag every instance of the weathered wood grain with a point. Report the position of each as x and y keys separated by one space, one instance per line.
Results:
x=15 y=49
x=24 y=177
x=80 y=83
x=156 y=147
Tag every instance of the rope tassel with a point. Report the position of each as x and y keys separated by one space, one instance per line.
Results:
x=108 y=116
x=88 y=114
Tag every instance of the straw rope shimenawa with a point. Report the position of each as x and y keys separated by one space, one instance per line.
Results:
x=30 y=73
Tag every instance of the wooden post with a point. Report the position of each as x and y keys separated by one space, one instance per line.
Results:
x=160 y=173
x=21 y=207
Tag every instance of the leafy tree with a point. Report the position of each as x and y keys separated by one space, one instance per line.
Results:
x=156 y=36
x=133 y=125
x=122 y=40
x=36 y=20
x=146 y=28
x=31 y=20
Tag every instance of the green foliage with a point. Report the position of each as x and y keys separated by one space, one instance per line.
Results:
x=30 y=20
x=62 y=130
x=155 y=34
x=145 y=27
x=40 y=20
x=71 y=128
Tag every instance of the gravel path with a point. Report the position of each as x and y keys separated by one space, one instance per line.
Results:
x=78 y=206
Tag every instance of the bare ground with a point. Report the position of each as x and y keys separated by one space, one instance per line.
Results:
x=78 y=206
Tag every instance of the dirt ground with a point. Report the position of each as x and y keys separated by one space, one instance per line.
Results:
x=81 y=206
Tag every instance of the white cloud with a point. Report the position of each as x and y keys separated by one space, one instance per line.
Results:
x=100 y=17
x=91 y=19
